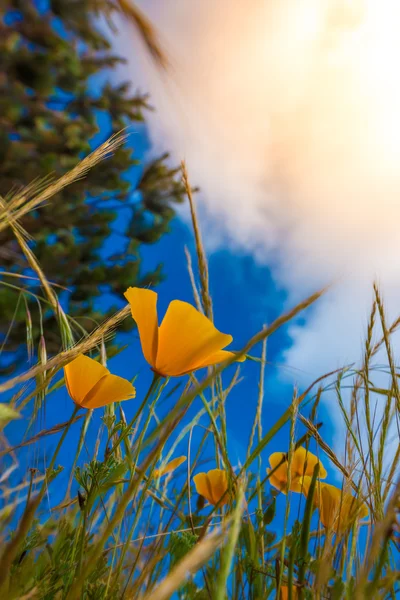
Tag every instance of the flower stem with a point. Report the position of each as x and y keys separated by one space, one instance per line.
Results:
x=124 y=434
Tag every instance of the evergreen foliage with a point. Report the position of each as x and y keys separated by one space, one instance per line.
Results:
x=56 y=88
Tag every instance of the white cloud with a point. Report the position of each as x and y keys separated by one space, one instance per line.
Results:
x=288 y=115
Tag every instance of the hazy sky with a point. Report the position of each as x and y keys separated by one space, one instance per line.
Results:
x=288 y=116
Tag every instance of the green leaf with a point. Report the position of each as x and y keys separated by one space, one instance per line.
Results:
x=305 y=530
x=270 y=512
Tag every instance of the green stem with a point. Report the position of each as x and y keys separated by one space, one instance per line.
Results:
x=128 y=428
x=149 y=416
x=82 y=541
x=305 y=532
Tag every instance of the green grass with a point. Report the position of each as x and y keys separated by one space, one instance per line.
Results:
x=130 y=535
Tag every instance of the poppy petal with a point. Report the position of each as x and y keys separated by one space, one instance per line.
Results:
x=338 y=509
x=186 y=340
x=219 y=485
x=304 y=461
x=329 y=504
x=109 y=389
x=276 y=459
x=278 y=480
x=219 y=357
x=143 y=303
x=81 y=374
x=275 y=482
x=351 y=509
x=296 y=485
x=202 y=486
x=170 y=466
x=305 y=483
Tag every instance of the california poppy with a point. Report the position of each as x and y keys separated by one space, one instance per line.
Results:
x=185 y=341
x=338 y=509
x=91 y=385
x=303 y=463
x=170 y=466
x=213 y=486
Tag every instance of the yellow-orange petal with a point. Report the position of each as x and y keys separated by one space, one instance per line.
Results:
x=212 y=486
x=186 y=340
x=296 y=485
x=279 y=477
x=81 y=375
x=277 y=460
x=202 y=486
x=329 y=504
x=337 y=509
x=143 y=303
x=107 y=390
x=303 y=463
x=276 y=482
x=170 y=466
x=219 y=485
x=305 y=483
x=279 y=469
x=219 y=357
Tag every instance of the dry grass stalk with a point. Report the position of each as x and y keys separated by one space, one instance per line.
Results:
x=146 y=30
x=190 y=564
x=60 y=360
x=35 y=195
x=201 y=256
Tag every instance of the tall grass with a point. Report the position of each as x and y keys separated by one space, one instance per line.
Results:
x=128 y=533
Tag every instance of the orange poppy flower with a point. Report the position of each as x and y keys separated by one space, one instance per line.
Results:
x=185 y=341
x=338 y=509
x=91 y=385
x=213 y=486
x=303 y=463
x=169 y=467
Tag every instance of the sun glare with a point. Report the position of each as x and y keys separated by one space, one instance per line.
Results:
x=366 y=42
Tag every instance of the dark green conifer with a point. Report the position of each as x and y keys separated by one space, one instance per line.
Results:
x=57 y=91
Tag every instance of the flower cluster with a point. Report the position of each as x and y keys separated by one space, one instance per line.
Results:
x=338 y=509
